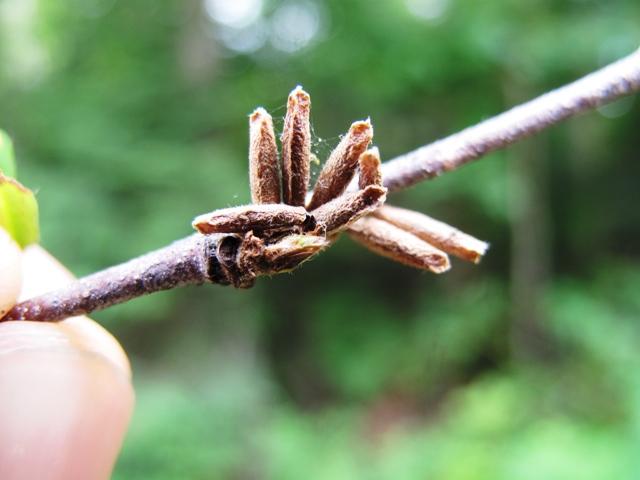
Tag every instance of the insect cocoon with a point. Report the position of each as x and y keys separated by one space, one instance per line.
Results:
x=438 y=234
x=264 y=169
x=251 y=217
x=398 y=245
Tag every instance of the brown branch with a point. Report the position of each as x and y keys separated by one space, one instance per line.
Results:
x=194 y=260
x=214 y=258
x=604 y=86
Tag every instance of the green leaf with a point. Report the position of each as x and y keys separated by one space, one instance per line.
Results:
x=7 y=162
x=18 y=211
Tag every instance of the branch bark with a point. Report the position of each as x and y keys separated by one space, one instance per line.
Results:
x=604 y=86
x=194 y=260
x=214 y=258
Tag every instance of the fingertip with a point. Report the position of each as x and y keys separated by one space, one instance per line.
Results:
x=79 y=334
x=42 y=273
x=64 y=412
x=66 y=396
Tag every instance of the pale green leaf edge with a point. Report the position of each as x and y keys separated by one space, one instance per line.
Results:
x=18 y=205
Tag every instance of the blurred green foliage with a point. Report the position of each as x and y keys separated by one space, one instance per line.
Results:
x=7 y=158
x=130 y=118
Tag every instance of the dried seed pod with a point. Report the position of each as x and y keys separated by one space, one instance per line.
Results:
x=336 y=215
x=296 y=148
x=341 y=166
x=370 y=173
x=398 y=245
x=252 y=217
x=437 y=233
x=264 y=171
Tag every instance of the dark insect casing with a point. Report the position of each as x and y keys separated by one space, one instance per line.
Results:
x=253 y=217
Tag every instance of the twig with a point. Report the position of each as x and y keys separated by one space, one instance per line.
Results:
x=194 y=260
x=604 y=86
x=214 y=258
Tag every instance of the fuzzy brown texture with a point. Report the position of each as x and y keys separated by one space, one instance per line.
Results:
x=296 y=148
x=251 y=217
x=438 y=234
x=398 y=245
x=264 y=168
x=370 y=173
x=336 y=215
x=341 y=165
x=257 y=256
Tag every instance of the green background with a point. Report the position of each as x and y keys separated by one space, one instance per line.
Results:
x=130 y=118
